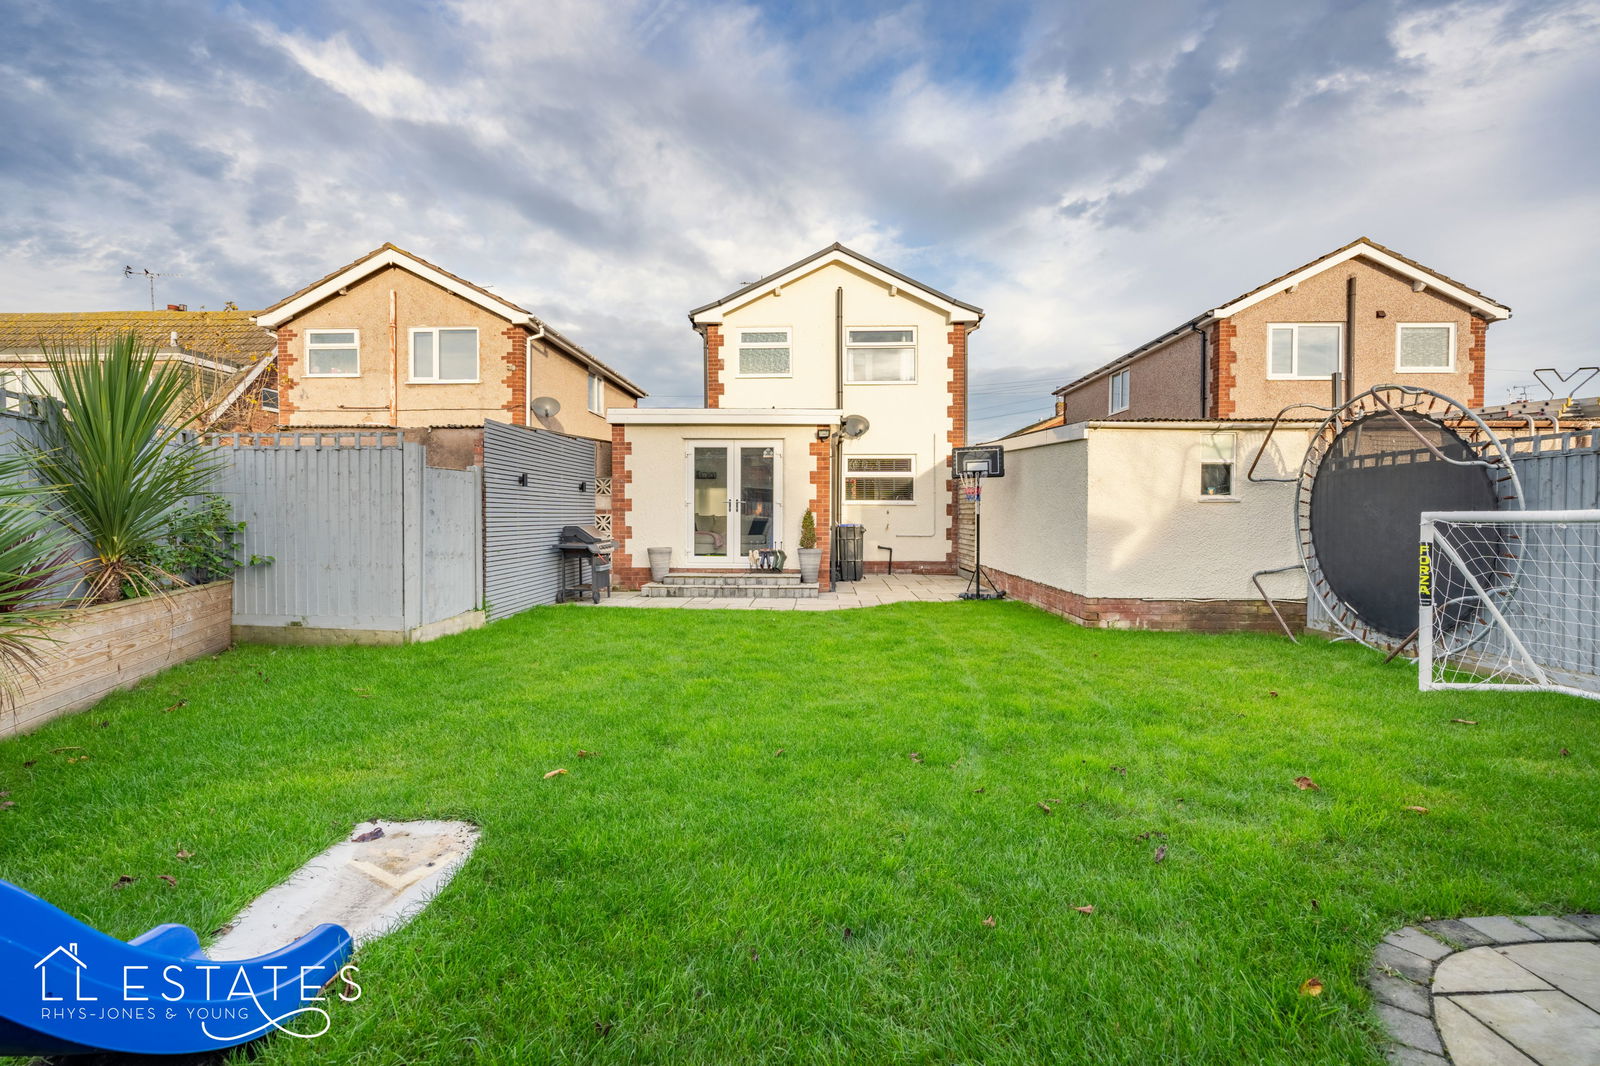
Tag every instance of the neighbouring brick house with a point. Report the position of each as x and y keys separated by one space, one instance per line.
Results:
x=217 y=349
x=1364 y=312
x=787 y=359
x=393 y=340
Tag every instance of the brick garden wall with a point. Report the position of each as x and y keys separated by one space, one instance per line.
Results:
x=1203 y=616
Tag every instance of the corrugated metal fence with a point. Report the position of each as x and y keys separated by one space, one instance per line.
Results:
x=522 y=522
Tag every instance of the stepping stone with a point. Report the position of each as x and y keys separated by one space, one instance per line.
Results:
x=1471 y=1043
x=1458 y=933
x=1591 y=922
x=1555 y=928
x=1412 y=1030
x=1573 y=968
x=1400 y=1055
x=1415 y=967
x=1418 y=943
x=1399 y=992
x=1503 y=930
x=1483 y=970
x=1551 y=1028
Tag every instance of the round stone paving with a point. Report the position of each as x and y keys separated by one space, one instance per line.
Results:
x=1495 y=991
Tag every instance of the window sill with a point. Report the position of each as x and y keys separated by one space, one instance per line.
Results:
x=308 y=375
x=762 y=377
x=1218 y=499
x=880 y=382
x=451 y=381
x=1424 y=370
x=1299 y=377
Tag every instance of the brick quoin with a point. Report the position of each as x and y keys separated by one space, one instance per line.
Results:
x=287 y=362
x=1202 y=616
x=1223 y=361
x=714 y=366
x=821 y=504
x=955 y=436
x=1476 y=356
x=623 y=573
x=516 y=379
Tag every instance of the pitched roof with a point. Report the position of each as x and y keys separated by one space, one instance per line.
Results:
x=386 y=255
x=839 y=251
x=1361 y=246
x=229 y=337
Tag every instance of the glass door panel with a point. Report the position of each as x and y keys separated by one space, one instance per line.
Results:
x=757 y=498
x=711 y=504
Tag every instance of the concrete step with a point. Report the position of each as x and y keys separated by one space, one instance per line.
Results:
x=726 y=590
x=734 y=577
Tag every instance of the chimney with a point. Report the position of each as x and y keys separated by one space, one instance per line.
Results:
x=1061 y=407
x=177 y=307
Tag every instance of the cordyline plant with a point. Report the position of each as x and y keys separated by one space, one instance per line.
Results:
x=33 y=552
x=115 y=448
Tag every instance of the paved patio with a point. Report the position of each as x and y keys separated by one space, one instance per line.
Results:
x=871 y=591
x=1498 y=991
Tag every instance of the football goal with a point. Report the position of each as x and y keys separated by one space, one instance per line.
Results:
x=1510 y=600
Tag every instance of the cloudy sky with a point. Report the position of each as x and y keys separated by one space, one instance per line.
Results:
x=1091 y=173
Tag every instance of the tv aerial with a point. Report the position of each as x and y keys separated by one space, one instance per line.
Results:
x=150 y=276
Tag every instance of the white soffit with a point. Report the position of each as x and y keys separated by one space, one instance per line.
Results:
x=724 y=416
x=1484 y=306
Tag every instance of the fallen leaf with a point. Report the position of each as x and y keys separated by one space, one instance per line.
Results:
x=916 y=756
x=6 y=805
x=848 y=933
x=554 y=773
x=586 y=754
x=777 y=753
x=980 y=788
x=1565 y=752
x=4 y=794
x=371 y=834
x=1315 y=905
x=989 y=921
x=102 y=725
x=30 y=762
x=1085 y=909
x=169 y=708
x=1123 y=770
x=78 y=758
x=1303 y=783
x=1311 y=987
x=1464 y=721
x=603 y=1028
x=1161 y=852
x=1046 y=808
x=185 y=854
x=1419 y=810
x=169 y=879
x=124 y=881
x=1272 y=692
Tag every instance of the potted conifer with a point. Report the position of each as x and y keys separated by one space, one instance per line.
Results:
x=810 y=554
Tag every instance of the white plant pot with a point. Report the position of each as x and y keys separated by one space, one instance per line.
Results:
x=660 y=563
x=810 y=562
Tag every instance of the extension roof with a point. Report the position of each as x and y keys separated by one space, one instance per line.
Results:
x=958 y=310
x=1362 y=247
x=388 y=255
x=229 y=337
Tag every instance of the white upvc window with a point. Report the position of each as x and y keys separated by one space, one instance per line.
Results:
x=763 y=352
x=1216 y=466
x=333 y=353
x=1119 y=391
x=597 y=394
x=1425 y=347
x=880 y=355
x=1304 y=349
x=887 y=479
x=444 y=354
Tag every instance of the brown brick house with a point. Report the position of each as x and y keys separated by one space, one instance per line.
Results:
x=392 y=339
x=1362 y=312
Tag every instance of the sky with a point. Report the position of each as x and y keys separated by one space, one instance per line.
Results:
x=1090 y=173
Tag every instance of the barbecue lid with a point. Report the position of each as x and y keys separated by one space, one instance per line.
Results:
x=583 y=534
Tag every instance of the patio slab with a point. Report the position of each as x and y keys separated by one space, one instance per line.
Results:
x=871 y=591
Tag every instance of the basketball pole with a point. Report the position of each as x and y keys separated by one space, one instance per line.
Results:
x=974 y=590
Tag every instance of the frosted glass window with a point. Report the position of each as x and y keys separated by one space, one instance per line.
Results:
x=1426 y=347
x=764 y=353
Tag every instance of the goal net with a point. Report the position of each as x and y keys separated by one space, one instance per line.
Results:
x=1510 y=600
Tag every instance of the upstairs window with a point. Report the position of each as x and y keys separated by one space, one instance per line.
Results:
x=880 y=356
x=1119 y=391
x=1309 y=350
x=764 y=353
x=879 y=479
x=333 y=353
x=1425 y=347
x=440 y=355
x=597 y=394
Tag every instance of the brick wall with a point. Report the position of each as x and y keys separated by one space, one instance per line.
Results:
x=113 y=645
x=288 y=373
x=1223 y=361
x=821 y=506
x=1477 y=354
x=714 y=367
x=911 y=566
x=516 y=379
x=624 y=574
x=956 y=437
x=1203 y=616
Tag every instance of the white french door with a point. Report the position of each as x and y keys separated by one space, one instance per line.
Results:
x=735 y=499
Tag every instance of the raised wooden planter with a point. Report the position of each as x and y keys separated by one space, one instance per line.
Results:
x=113 y=645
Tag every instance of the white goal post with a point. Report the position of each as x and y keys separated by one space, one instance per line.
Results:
x=1509 y=600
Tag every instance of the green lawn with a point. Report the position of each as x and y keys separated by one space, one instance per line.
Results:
x=756 y=867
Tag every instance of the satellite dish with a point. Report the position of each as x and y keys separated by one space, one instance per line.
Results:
x=854 y=426
x=546 y=406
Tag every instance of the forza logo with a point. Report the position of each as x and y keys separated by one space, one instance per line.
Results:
x=1424 y=573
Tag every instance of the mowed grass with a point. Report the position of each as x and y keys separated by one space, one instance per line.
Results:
x=755 y=867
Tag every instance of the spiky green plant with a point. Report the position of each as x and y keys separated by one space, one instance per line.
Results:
x=33 y=551
x=115 y=447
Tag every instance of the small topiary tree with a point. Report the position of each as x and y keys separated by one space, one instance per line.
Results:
x=808 y=530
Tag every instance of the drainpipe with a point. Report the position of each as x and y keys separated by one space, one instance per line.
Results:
x=394 y=359
x=527 y=374
x=1205 y=368
x=1349 y=336
x=835 y=501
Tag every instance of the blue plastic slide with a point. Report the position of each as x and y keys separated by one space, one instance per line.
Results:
x=68 y=989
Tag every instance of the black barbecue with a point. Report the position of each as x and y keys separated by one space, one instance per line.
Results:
x=580 y=545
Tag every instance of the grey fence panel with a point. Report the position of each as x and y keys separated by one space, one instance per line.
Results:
x=522 y=523
x=333 y=521
x=452 y=542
